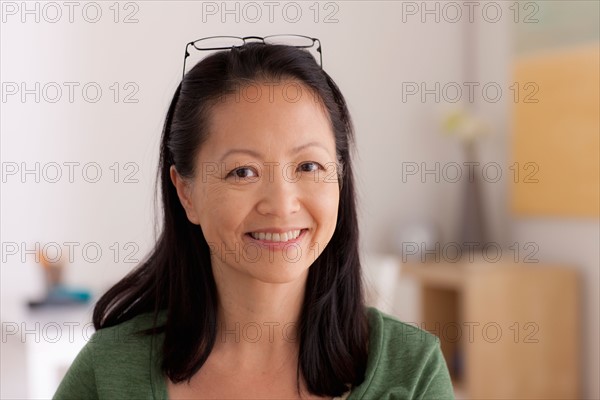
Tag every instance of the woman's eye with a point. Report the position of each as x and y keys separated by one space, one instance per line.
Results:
x=242 y=173
x=247 y=172
x=310 y=166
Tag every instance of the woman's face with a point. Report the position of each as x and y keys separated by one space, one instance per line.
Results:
x=266 y=173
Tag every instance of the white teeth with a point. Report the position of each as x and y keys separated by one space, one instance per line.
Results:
x=276 y=237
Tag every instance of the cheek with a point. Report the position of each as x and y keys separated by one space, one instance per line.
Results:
x=326 y=203
x=222 y=213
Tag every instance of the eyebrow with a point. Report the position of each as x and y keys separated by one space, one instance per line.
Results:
x=258 y=155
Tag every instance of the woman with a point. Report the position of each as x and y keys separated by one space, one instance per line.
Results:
x=253 y=289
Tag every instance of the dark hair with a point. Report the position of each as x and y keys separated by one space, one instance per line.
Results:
x=333 y=328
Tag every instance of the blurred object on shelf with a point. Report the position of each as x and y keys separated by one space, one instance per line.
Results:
x=468 y=127
x=62 y=295
x=56 y=292
x=463 y=124
x=414 y=240
x=381 y=272
x=386 y=288
x=53 y=270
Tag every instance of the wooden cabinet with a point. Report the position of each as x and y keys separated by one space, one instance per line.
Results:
x=507 y=331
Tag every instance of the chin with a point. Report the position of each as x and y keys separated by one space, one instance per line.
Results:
x=277 y=272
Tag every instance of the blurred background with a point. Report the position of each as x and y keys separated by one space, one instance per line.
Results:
x=477 y=129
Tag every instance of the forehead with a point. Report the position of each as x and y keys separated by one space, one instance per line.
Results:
x=267 y=113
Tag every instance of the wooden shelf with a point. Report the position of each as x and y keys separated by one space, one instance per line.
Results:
x=506 y=330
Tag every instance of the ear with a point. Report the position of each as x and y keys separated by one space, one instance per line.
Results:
x=184 y=193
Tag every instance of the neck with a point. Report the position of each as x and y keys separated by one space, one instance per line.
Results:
x=257 y=321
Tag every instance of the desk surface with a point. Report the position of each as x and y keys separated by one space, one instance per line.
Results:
x=457 y=274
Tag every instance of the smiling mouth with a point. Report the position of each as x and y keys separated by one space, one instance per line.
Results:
x=285 y=237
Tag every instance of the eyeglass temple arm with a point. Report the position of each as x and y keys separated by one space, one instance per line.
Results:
x=185 y=56
x=319 y=51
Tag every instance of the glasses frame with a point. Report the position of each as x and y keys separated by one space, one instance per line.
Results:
x=249 y=39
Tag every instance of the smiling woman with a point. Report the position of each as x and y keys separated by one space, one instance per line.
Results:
x=253 y=289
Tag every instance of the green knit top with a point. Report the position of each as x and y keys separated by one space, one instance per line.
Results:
x=404 y=362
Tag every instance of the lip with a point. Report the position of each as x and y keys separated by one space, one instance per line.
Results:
x=278 y=230
x=276 y=245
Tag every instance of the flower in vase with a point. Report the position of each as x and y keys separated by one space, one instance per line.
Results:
x=464 y=125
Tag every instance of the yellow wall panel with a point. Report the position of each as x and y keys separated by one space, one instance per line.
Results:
x=556 y=140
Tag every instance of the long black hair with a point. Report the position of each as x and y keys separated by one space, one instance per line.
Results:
x=177 y=276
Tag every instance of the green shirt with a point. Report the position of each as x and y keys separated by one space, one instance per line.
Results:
x=404 y=362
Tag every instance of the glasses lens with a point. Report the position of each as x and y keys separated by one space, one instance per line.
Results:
x=290 y=40
x=298 y=41
x=218 y=42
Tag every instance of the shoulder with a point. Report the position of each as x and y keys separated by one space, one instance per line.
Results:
x=404 y=362
x=124 y=348
x=126 y=333
x=398 y=338
x=115 y=361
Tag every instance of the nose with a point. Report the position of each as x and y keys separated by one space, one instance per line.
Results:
x=278 y=196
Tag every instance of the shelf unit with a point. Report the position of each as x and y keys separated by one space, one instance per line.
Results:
x=507 y=330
